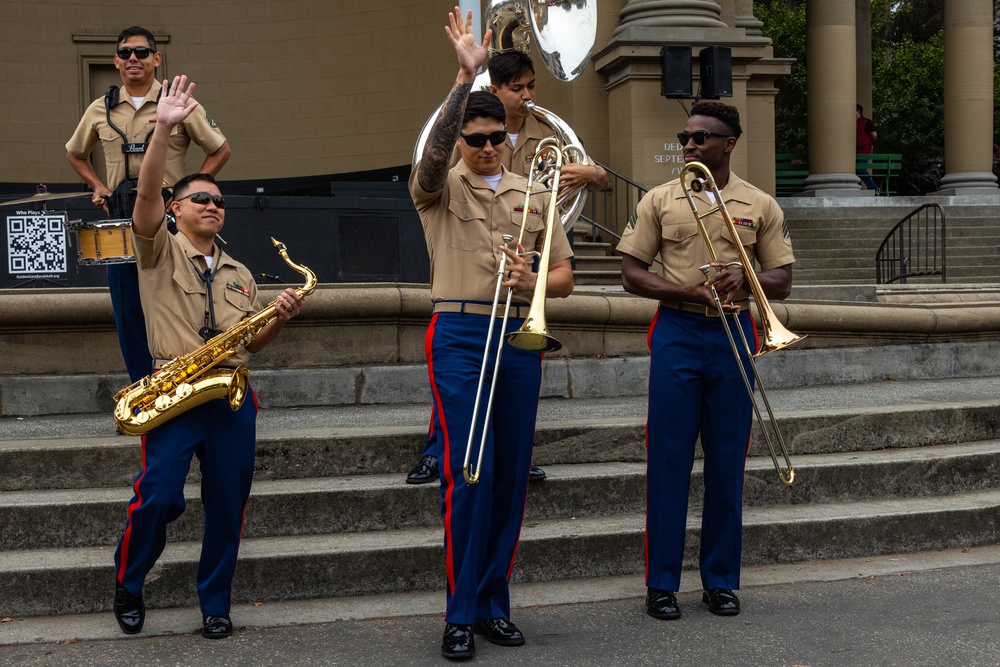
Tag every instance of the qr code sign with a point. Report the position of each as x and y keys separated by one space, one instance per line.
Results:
x=36 y=243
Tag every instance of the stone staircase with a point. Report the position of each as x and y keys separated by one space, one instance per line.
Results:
x=596 y=262
x=901 y=453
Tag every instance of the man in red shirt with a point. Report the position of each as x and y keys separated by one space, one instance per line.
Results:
x=865 y=145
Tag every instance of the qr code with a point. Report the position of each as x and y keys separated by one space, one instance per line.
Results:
x=36 y=243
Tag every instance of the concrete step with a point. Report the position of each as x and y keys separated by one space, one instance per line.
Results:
x=38 y=582
x=607 y=277
x=598 y=264
x=315 y=442
x=94 y=516
x=590 y=249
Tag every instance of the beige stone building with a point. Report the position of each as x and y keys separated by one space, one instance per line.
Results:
x=304 y=87
x=308 y=87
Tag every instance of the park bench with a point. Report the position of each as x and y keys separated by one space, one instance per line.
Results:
x=791 y=170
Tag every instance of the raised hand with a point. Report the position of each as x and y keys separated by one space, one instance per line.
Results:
x=175 y=103
x=471 y=55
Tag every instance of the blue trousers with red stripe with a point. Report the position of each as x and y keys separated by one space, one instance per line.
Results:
x=695 y=388
x=482 y=522
x=224 y=442
x=123 y=285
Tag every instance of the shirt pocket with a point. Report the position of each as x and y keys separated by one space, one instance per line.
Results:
x=747 y=236
x=192 y=285
x=534 y=226
x=683 y=246
x=111 y=141
x=240 y=302
x=466 y=226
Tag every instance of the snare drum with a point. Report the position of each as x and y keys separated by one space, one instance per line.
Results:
x=103 y=241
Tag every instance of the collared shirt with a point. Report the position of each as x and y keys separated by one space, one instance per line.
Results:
x=518 y=158
x=136 y=124
x=663 y=223
x=464 y=223
x=175 y=299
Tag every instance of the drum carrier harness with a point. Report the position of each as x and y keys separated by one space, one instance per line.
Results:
x=123 y=198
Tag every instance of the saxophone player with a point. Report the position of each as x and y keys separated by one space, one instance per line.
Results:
x=190 y=289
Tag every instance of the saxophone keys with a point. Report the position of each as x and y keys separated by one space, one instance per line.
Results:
x=162 y=402
x=184 y=390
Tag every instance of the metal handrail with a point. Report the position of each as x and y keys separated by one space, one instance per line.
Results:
x=911 y=248
x=608 y=210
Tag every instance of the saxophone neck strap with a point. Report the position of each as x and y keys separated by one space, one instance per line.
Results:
x=211 y=328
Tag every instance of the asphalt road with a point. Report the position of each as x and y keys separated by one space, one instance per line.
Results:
x=944 y=616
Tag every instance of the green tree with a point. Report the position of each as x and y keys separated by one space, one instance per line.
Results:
x=785 y=24
x=907 y=82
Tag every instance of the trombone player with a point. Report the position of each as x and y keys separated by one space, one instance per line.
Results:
x=465 y=211
x=695 y=385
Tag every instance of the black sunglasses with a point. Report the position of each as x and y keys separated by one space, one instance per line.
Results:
x=204 y=197
x=141 y=52
x=478 y=139
x=699 y=136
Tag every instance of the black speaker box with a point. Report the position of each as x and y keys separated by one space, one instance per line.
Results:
x=716 y=67
x=675 y=74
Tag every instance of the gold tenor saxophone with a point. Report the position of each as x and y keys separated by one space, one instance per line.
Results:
x=189 y=380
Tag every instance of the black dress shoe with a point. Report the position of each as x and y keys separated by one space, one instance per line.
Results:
x=535 y=474
x=423 y=472
x=130 y=612
x=499 y=631
x=216 y=627
x=662 y=604
x=458 y=642
x=721 y=601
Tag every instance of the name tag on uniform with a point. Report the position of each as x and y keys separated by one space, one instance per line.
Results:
x=745 y=222
x=134 y=148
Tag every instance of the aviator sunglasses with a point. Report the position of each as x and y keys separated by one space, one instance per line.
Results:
x=699 y=136
x=141 y=52
x=478 y=139
x=204 y=197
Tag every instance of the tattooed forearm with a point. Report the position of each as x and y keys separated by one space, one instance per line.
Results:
x=435 y=161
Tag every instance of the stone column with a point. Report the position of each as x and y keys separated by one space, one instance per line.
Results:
x=746 y=20
x=863 y=35
x=669 y=13
x=830 y=54
x=968 y=98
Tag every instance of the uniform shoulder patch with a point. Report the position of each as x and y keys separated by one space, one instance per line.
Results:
x=630 y=225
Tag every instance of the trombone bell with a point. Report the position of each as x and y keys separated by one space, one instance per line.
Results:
x=533 y=339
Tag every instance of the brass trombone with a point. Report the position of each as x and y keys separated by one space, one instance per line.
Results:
x=776 y=336
x=533 y=334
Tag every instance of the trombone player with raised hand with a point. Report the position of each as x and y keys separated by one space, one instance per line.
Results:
x=466 y=212
x=695 y=384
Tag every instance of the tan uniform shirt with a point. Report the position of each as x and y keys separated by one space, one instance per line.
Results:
x=136 y=124
x=518 y=158
x=464 y=223
x=663 y=223
x=175 y=300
